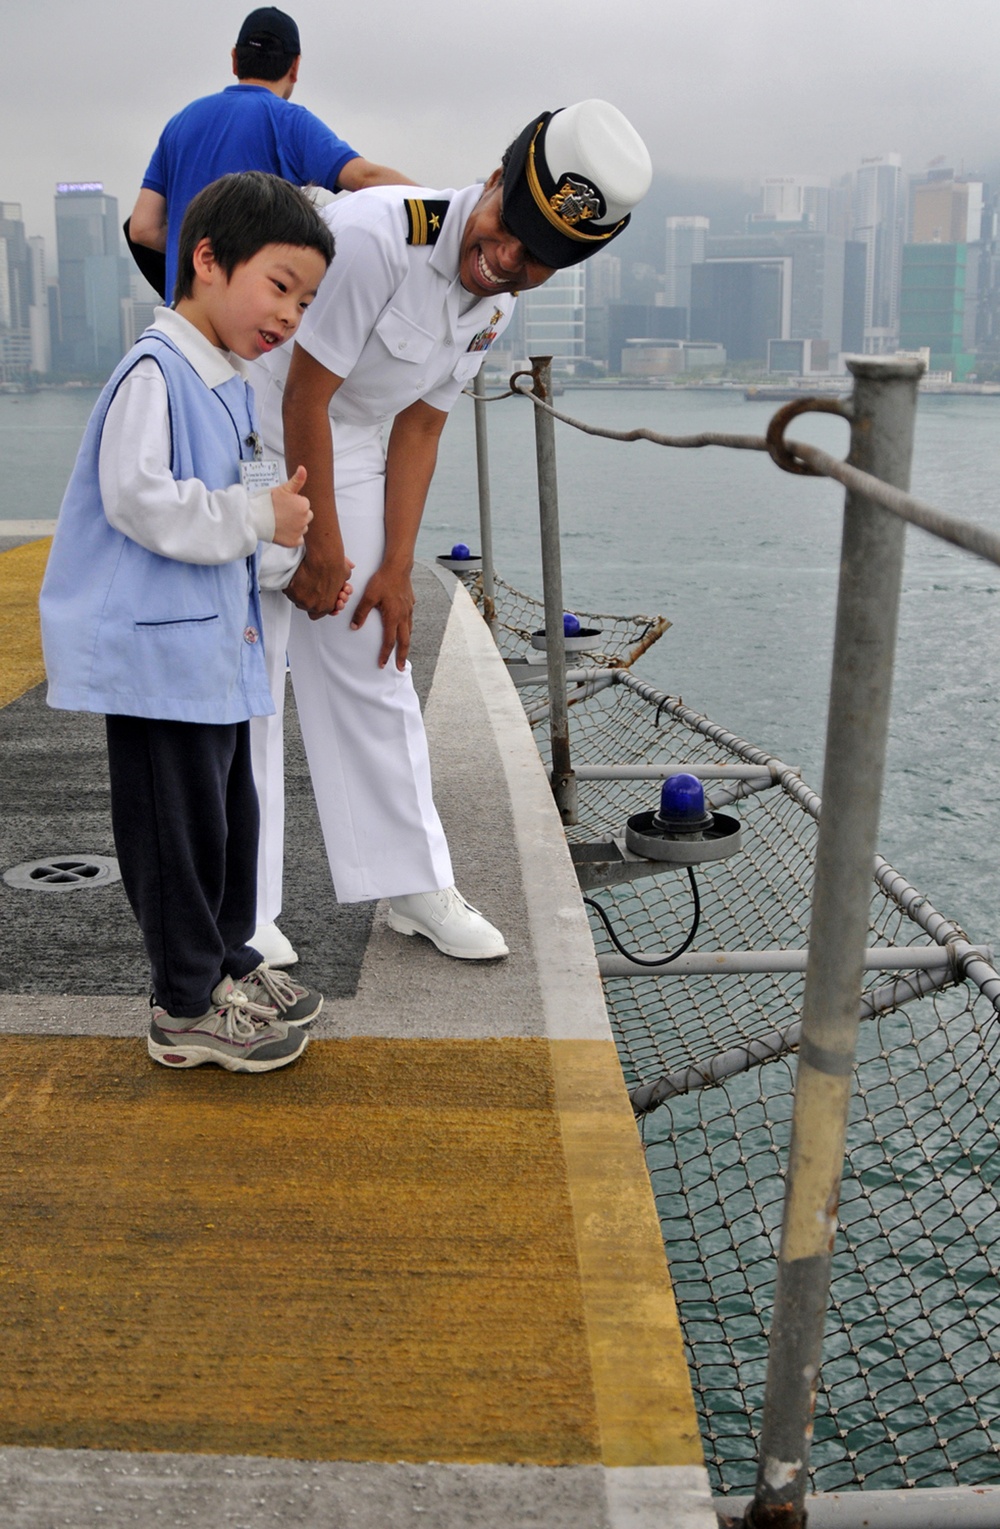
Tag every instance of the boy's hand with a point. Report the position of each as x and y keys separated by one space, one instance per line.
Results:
x=291 y=511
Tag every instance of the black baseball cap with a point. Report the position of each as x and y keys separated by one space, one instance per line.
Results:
x=270 y=30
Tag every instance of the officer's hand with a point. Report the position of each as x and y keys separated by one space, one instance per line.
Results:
x=291 y=511
x=392 y=595
x=321 y=589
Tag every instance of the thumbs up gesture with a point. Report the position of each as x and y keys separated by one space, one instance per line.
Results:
x=291 y=510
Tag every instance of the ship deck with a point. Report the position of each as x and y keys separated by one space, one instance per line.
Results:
x=418 y=1272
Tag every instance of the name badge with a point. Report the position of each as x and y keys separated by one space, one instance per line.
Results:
x=259 y=476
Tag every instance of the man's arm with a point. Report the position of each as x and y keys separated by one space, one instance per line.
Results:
x=148 y=223
x=359 y=173
x=410 y=461
x=323 y=572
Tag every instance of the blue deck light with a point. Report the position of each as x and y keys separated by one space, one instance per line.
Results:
x=571 y=624
x=460 y=551
x=682 y=806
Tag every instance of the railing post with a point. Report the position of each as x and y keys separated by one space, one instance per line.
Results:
x=563 y=779
x=884 y=408
x=485 y=508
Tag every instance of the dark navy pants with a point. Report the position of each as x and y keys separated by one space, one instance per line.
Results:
x=185 y=817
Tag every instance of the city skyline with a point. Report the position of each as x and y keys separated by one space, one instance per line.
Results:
x=788 y=87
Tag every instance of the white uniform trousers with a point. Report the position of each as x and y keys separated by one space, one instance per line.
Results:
x=363 y=733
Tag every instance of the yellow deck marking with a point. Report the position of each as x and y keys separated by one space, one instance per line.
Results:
x=21 y=571
x=369 y=1256
x=643 y=1394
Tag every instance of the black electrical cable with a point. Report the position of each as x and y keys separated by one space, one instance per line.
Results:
x=659 y=960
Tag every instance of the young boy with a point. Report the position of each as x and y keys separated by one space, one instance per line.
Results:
x=151 y=615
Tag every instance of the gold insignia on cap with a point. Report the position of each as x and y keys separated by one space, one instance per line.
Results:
x=575 y=202
x=546 y=206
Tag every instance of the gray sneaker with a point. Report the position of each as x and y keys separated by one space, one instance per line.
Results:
x=288 y=1001
x=236 y=1034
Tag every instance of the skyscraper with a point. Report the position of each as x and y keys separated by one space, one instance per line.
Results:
x=554 y=316
x=15 y=295
x=685 y=247
x=879 y=218
x=92 y=280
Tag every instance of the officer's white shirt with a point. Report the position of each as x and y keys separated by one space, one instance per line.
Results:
x=391 y=318
x=141 y=497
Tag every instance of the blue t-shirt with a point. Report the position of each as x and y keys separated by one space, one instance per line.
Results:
x=245 y=127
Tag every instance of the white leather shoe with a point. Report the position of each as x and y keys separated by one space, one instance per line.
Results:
x=449 y=922
x=273 y=946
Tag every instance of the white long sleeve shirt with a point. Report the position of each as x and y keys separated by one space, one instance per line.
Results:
x=142 y=499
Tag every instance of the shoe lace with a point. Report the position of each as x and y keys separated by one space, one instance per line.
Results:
x=243 y=1017
x=281 y=989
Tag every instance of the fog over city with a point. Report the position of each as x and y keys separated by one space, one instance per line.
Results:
x=718 y=88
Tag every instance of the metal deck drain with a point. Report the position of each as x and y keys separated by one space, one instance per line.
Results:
x=67 y=872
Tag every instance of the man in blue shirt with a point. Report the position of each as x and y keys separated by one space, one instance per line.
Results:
x=249 y=126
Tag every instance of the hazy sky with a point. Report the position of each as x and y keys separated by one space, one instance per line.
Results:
x=717 y=87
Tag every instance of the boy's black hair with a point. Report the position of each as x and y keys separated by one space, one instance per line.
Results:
x=255 y=60
x=239 y=214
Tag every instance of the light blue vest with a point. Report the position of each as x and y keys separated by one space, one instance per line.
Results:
x=127 y=632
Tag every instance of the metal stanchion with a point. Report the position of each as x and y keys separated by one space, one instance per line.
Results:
x=563 y=779
x=485 y=507
x=884 y=408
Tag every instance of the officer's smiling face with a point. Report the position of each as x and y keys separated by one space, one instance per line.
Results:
x=492 y=259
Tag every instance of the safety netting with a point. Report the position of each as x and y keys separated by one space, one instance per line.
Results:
x=909 y=1391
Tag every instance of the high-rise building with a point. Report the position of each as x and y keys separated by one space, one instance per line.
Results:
x=800 y=297
x=802 y=200
x=932 y=310
x=93 y=279
x=946 y=210
x=15 y=296
x=879 y=220
x=942 y=271
x=38 y=312
x=686 y=239
x=554 y=317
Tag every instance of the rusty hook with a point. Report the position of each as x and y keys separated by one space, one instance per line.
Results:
x=781 y=421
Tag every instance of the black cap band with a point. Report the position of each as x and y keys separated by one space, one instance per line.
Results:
x=559 y=224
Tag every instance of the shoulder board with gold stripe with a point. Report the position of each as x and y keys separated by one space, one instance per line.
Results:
x=424 y=220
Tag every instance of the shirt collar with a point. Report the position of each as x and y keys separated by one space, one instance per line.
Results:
x=214 y=366
x=447 y=251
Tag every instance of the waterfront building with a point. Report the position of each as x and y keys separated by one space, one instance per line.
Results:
x=686 y=240
x=738 y=304
x=15 y=296
x=932 y=307
x=603 y=274
x=93 y=280
x=652 y=359
x=554 y=318
x=797 y=294
x=941 y=271
x=879 y=221
x=797 y=358
x=38 y=311
x=640 y=321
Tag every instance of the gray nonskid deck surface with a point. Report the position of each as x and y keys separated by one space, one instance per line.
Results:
x=80 y=952
x=42 y=1489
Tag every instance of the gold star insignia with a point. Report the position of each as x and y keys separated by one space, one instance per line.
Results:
x=434 y=221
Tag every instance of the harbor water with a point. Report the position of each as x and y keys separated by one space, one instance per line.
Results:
x=742 y=559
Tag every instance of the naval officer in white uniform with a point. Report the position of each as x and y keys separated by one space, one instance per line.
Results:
x=421 y=285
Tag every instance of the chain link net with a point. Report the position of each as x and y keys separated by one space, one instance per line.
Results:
x=910 y=1386
x=519 y=616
